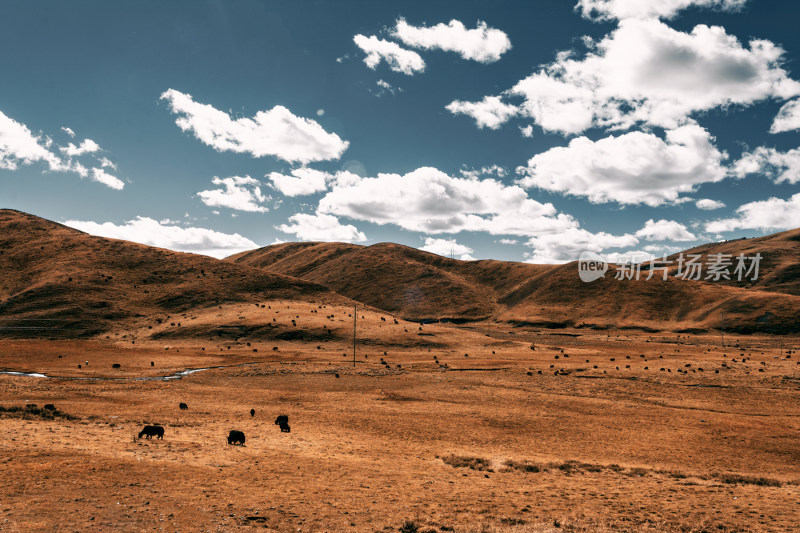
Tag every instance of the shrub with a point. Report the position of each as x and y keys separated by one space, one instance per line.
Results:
x=459 y=461
x=409 y=526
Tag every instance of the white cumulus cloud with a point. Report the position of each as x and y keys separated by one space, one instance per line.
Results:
x=19 y=146
x=771 y=214
x=482 y=44
x=622 y=9
x=491 y=112
x=776 y=165
x=709 y=204
x=447 y=248
x=241 y=193
x=567 y=245
x=633 y=168
x=300 y=181
x=665 y=230
x=788 y=118
x=276 y=132
x=647 y=72
x=386 y=87
x=101 y=176
x=321 y=227
x=430 y=201
x=398 y=58
x=88 y=146
x=151 y=232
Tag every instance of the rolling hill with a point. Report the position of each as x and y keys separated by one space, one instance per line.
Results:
x=57 y=282
x=417 y=285
x=410 y=283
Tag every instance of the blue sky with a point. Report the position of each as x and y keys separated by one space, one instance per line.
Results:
x=517 y=130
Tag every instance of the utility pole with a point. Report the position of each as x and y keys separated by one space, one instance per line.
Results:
x=355 y=313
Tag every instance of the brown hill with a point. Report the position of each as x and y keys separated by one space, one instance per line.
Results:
x=413 y=284
x=417 y=285
x=779 y=269
x=770 y=303
x=57 y=282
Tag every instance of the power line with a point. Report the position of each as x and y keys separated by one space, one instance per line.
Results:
x=355 y=316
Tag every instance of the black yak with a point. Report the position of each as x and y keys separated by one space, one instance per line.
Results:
x=183 y=406
x=236 y=437
x=283 y=422
x=252 y=412
x=152 y=431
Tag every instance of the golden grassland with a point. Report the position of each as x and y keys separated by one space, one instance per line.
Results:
x=436 y=428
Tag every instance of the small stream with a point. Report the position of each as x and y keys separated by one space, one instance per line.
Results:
x=171 y=377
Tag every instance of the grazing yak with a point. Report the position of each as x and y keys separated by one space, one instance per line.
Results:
x=183 y=406
x=283 y=422
x=252 y=412
x=236 y=437
x=152 y=431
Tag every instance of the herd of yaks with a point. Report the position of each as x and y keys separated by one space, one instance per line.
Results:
x=234 y=437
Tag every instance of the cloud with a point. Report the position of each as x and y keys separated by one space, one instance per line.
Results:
x=778 y=166
x=105 y=162
x=321 y=227
x=88 y=146
x=490 y=112
x=496 y=170
x=708 y=204
x=241 y=193
x=398 y=58
x=665 y=230
x=633 y=168
x=772 y=214
x=660 y=250
x=101 y=176
x=429 y=201
x=19 y=146
x=276 y=132
x=447 y=248
x=151 y=232
x=629 y=256
x=623 y=9
x=567 y=245
x=301 y=181
x=386 y=87
x=508 y=241
x=788 y=118
x=482 y=44
x=646 y=72
x=68 y=131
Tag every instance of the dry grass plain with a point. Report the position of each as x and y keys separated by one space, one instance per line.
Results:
x=583 y=433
